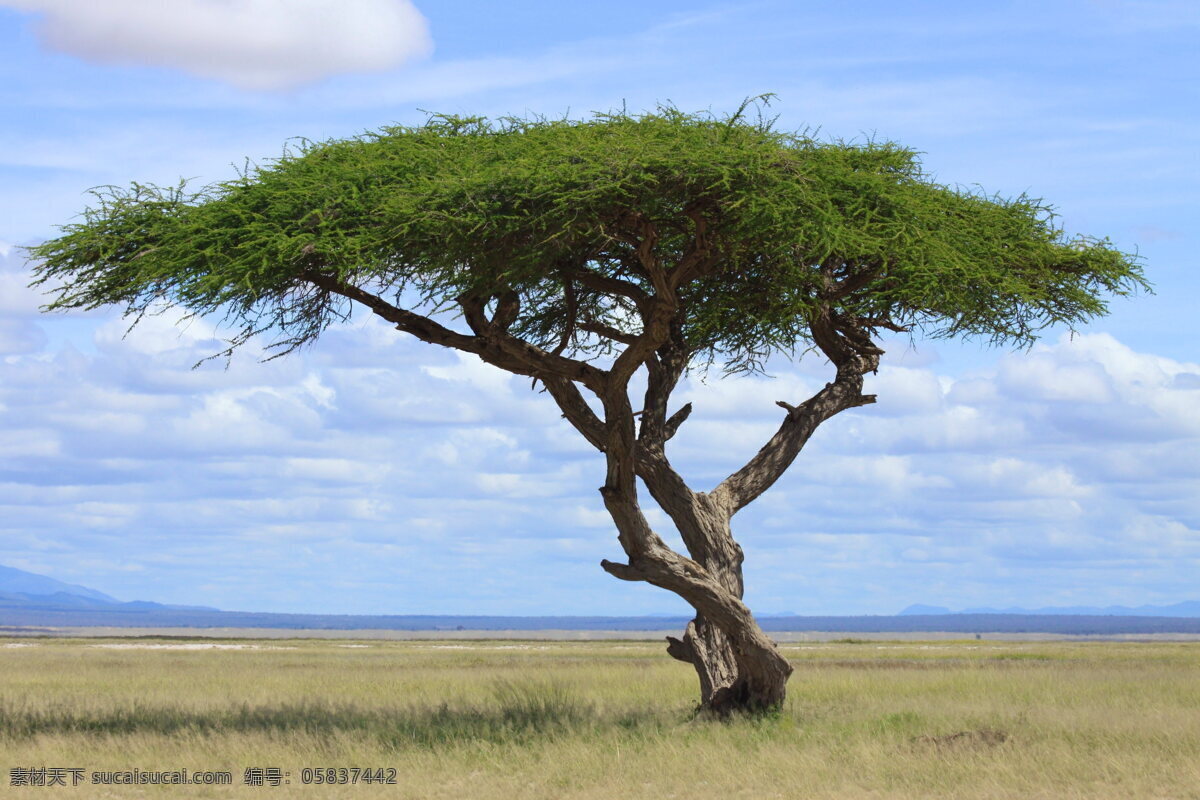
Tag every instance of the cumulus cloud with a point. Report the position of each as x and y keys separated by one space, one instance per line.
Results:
x=375 y=474
x=252 y=44
x=1038 y=476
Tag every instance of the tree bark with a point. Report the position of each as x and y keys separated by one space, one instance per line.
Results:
x=731 y=678
x=739 y=667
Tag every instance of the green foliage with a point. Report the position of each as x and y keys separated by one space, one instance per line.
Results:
x=424 y=215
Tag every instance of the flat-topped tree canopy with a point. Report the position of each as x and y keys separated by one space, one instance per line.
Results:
x=770 y=239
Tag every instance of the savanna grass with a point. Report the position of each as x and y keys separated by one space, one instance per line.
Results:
x=601 y=720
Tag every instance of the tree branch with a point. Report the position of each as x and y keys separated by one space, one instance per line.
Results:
x=508 y=308
x=572 y=301
x=417 y=325
x=609 y=285
x=843 y=340
x=608 y=332
x=664 y=370
x=576 y=410
x=657 y=327
x=675 y=420
x=851 y=282
x=490 y=343
x=760 y=472
x=699 y=257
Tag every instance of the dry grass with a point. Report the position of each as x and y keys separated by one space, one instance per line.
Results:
x=611 y=719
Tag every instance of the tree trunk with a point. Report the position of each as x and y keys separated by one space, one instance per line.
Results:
x=731 y=682
x=733 y=677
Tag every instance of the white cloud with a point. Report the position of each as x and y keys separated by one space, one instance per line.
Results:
x=906 y=391
x=373 y=459
x=16 y=296
x=156 y=334
x=472 y=371
x=1067 y=474
x=35 y=442
x=252 y=44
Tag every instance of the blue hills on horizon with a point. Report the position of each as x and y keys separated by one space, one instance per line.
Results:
x=29 y=600
x=18 y=581
x=21 y=589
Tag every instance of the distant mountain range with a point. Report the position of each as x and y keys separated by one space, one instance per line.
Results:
x=18 y=581
x=28 y=600
x=1188 y=608
x=28 y=590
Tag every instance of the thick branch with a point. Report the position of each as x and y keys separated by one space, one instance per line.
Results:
x=766 y=467
x=648 y=258
x=666 y=486
x=473 y=312
x=628 y=459
x=845 y=342
x=700 y=521
x=664 y=370
x=419 y=326
x=657 y=315
x=576 y=410
x=649 y=340
x=491 y=343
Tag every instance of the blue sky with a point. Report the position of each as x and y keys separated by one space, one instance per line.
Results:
x=371 y=474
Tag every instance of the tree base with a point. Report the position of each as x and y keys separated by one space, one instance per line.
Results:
x=732 y=680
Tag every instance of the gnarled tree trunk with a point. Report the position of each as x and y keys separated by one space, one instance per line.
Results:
x=731 y=678
x=739 y=667
x=729 y=683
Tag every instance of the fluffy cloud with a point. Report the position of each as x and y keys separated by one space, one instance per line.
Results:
x=1067 y=474
x=375 y=474
x=253 y=44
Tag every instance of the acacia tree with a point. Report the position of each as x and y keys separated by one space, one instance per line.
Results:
x=603 y=257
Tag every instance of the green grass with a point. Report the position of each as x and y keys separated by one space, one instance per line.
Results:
x=483 y=719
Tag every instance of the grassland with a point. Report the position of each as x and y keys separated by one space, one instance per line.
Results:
x=504 y=719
